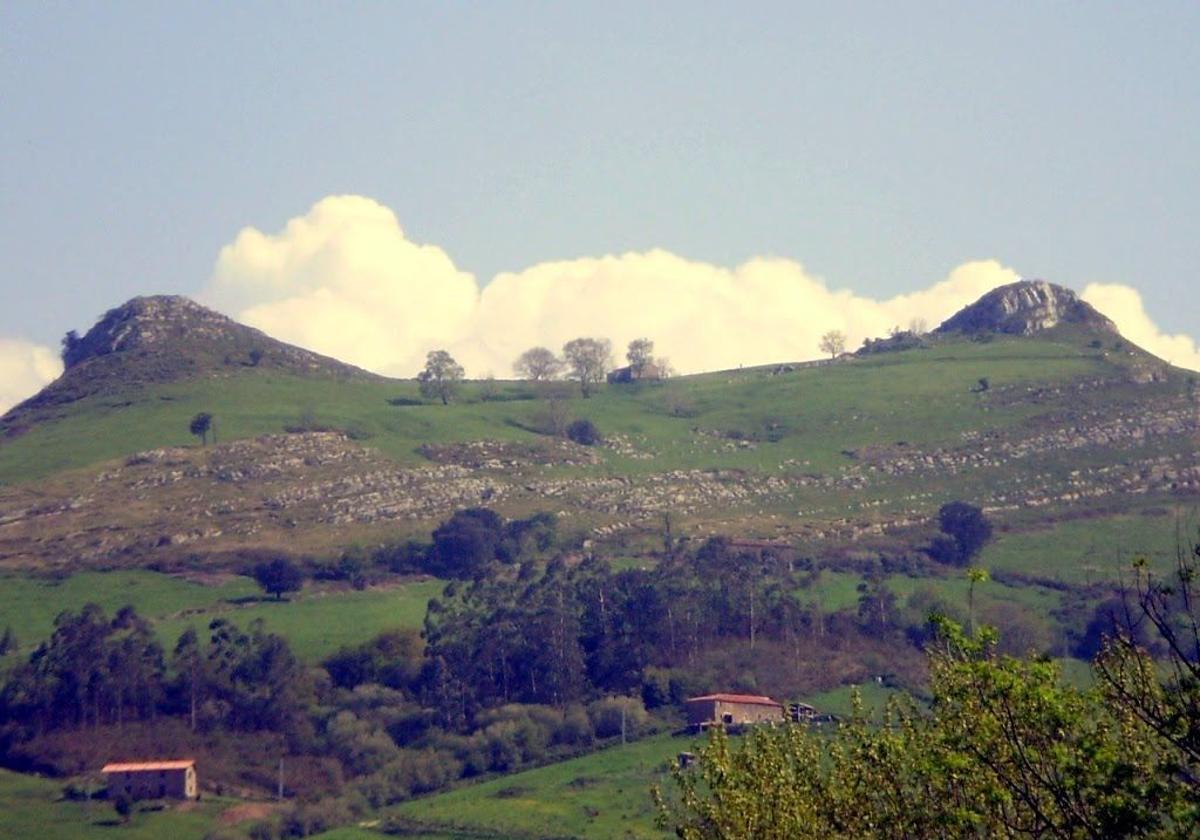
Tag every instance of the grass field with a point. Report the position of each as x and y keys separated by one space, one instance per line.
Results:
x=33 y=809
x=921 y=397
x=316 y=622
x=1084 y=551
x=603 y=795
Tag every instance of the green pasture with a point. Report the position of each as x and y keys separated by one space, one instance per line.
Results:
x=1096 y=549
x=316 y=621
x=807 y=415
x=32 y=808
x=602 y=795
x=839 y=701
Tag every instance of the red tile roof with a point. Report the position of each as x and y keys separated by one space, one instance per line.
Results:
x=147 y=766
x=749 y=699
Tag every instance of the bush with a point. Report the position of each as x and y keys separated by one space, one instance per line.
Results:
x=968 y=531
x=263 y=831
x=584 y=432
x=606 y=716
x=278 y=576
x=576 y=728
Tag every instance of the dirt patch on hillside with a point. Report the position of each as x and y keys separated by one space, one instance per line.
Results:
x=247 y=812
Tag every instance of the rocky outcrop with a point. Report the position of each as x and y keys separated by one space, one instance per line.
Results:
x=165 y=338
x=1025 y=308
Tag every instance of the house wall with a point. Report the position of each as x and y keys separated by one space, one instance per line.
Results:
x=154 y=784
x=714 y=711
x=748 y=712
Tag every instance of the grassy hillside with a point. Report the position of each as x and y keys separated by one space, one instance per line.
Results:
x=33 y=807
x=809 y=454
x=921 y=396
x=603 y=795
x=316 y=622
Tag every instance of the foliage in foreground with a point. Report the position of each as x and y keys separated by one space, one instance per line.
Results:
x=1005 y=750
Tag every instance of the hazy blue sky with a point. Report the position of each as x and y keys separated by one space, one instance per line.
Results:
x=880 y=144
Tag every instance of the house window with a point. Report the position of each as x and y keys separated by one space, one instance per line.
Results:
x=727 y=718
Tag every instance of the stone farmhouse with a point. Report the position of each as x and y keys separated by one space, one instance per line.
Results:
x=153 y=779
x=732 y=710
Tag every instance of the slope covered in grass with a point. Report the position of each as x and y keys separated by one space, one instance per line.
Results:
x=316 y=622
x=32 y=808
x=920 y=396
x=602 y=795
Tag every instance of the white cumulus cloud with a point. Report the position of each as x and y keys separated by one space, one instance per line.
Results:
x=1124 y=306
x=344 y=280
x=703 y=317
x=25 y=368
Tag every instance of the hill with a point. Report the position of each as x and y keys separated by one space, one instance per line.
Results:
x=317 y=456
x=1081 y=448
x=150 y=341
x=1025 y=308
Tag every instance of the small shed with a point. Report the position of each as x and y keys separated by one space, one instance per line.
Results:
x=802 y=712
x=732 y=710
x=174 y=779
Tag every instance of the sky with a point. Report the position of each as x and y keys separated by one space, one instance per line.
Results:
x=374 y=180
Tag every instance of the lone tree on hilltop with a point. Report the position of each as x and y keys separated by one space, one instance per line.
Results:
x=538 y=364
x=200 y=426
x=440 y=377
x=588 y=359
x=965 y=530
x=833 y=343
x=640 y=355
x=278 y=576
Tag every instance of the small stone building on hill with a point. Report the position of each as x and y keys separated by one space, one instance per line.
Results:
x=732 y=710
x=153 y=779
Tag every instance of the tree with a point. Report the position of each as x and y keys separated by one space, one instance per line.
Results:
x=279 y=576
x=440 y=377
x=588 y=359
x=466 y=542
x=584 y=432
x=833 y=343
x=1005 y=749
x=123 y=805
x=200 y=426
x=975 y=574
x=72 y=344
x=640 y=355
x=188 y=662
x=1165 y=694
x=969 y=529
x=538 y=364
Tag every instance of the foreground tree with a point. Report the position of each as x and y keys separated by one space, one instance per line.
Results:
x=441 y=376
x=200 y=426
x=588 y=360
x=538 y=364
x=1164 y=695
x=279 y=576
x=833 y=343
x=1006 y=750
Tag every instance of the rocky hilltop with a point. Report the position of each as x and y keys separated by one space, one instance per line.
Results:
x=1025 y=308
x=164 y=338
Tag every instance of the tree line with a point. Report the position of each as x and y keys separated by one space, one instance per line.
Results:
x=585 y=361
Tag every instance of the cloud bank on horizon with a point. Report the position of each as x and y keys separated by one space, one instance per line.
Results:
x=345 y=280
x=25 y=368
